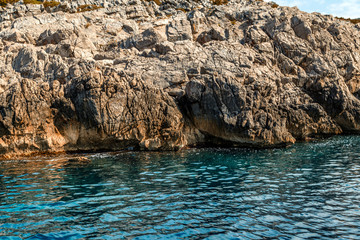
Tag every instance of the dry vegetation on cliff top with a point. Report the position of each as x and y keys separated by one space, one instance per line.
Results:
x=90 y=7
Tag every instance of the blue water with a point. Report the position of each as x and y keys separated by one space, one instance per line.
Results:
x=308 y=191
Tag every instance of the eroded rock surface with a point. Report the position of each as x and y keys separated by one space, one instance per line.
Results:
x=140 y=75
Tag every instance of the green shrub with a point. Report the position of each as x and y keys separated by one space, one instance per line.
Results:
x=32 y=2
x=50 y=4
x=3 y=3
x=87 y=7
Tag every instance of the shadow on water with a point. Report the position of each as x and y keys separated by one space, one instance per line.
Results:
x=306 y=191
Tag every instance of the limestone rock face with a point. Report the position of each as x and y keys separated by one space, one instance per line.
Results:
x=163 y=75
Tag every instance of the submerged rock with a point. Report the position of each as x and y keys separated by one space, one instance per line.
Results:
x=163 y=75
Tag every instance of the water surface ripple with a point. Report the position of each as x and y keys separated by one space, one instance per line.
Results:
x=308 y=191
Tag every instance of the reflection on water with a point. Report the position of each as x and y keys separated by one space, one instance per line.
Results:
x=306 y=191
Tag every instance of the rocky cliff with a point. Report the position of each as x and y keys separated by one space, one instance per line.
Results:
x=161 y=75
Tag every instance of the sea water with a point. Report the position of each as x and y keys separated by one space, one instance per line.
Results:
x=307 y=191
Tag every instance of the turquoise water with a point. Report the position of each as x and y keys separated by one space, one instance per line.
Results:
x=311 y=190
